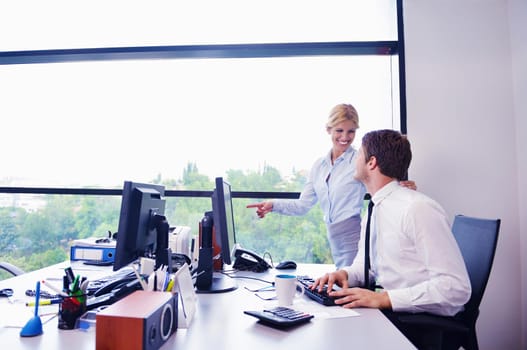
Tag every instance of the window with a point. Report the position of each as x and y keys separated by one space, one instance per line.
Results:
x=99 y=123
x=229 y=85
x=97 y=95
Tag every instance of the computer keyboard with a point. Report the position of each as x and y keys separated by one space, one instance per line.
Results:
x=281 y=316
x=320 y=297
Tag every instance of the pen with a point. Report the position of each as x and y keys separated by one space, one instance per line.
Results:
x=75 y=287
x=65 y=284
x=139 y=278
x=69 y=274
x=167 y=280
x=170 y=285
x=55 y=289
x=84 y=286
x=45 y=302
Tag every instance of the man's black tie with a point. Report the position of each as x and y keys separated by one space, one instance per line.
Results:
x=367 y=248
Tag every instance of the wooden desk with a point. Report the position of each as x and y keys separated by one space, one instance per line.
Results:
x=219 y=322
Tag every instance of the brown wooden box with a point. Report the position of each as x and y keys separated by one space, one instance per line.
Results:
x=141 y=320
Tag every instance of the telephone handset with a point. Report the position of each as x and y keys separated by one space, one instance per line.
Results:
x=247 y=260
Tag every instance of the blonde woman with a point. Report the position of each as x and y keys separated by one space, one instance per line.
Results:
x=331 y=183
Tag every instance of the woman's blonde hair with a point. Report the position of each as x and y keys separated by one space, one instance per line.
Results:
x=342 y=112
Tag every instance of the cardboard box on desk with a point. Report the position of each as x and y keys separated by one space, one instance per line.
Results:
x=142 y=320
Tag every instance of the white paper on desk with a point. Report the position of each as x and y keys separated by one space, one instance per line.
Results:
x=16 y=315
x=336 y=312
x=321 y=312
x=324 y=312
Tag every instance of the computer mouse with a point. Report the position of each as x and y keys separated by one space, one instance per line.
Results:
x=286 y=264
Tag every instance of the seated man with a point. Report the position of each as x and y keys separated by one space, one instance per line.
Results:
x=413 y=254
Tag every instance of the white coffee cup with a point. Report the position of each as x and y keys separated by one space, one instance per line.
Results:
x=286 y=289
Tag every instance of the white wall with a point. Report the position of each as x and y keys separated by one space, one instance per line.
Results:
x=518 y=30
x=466 y=95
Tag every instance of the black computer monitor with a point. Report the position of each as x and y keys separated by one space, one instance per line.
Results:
x=143 y=228
x=222 y=219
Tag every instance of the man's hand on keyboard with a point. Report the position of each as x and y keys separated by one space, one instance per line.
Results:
x=351 y=297
x=360 y=297
x=339 y=278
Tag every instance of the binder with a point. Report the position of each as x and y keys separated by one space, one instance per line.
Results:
x=91 y=250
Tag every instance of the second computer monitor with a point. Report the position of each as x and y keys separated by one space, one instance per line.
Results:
x=223 y=223
x=224 y=219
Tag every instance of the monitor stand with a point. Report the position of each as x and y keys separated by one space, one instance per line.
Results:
x=220 y=284
x=209 y=282
x=163 y=253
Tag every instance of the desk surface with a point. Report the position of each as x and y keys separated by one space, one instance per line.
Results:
x=219 y=322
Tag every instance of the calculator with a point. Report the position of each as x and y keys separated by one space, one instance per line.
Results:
x=281 y=316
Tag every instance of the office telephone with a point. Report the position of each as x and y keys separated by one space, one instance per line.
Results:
x=247 y=260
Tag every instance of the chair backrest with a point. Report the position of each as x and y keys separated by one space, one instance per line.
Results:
x=477 y=239
x=12 y=269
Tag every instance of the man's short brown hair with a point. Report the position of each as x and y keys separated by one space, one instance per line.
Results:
x=392 y=151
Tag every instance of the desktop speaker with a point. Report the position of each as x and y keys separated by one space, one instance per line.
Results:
x=142 y=320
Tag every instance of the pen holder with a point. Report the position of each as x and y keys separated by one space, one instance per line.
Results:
x=70 y=310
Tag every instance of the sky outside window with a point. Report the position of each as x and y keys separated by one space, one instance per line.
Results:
x=99 y=123
x=65 y=24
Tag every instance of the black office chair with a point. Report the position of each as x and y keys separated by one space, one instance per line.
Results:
x=12 y=269
x=477 y=239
